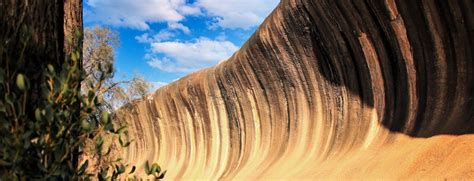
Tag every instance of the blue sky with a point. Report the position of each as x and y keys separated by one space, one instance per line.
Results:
x=164 y=40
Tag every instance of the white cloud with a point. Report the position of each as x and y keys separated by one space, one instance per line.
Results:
x=237 y=13
x=160 y=36
x=167 y=53
x=144 y=38
x=221 y=37
x=138 y=13
x=189 y=56
x=179 y=26
x=167 y=65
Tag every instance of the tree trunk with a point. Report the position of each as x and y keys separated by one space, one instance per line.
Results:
x=73 y=27
x=33 y=35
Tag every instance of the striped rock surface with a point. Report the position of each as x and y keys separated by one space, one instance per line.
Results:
x=324 y=89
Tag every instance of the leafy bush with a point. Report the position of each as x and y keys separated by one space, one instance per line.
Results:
x=46 y=123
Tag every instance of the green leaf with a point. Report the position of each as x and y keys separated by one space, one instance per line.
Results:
x=90 y=95
x=156 y=168
x=121 y=141
x=109 y=150
x=98 y=145
x=83 y=167
x=127 y=144
x=8 y=99
x=86 y=125
x=120 y=169
x=38 y=114
x=104 y=117
x=133 y=170
x=20 y=82
x=120 y=130
x=162 y=175
x=73 y=57
x=2 y=107
x=103 y=175
x=61 y=131
x=109 y=126
x=147 y=168
x=50 y=68
x=2 y=76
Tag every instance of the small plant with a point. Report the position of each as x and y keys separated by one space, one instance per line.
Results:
x=154 y=170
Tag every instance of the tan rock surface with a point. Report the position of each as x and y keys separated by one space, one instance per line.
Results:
x=324 y=89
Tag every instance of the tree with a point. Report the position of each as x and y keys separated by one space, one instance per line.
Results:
x=98 y=50
x=99 y=57
x=98 y=53
x=138 y=87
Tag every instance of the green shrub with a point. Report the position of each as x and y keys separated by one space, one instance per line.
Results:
x=46 y=123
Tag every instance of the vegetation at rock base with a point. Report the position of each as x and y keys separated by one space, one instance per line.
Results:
x=48 y=120
x=41 y=143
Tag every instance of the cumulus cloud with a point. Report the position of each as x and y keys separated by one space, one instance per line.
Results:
x=179 y=26
x=158 y=37
x=168 y=53
x=222 y=36
x=138 y=13
x=144 y=38
x=189 y=56
x=237 y=13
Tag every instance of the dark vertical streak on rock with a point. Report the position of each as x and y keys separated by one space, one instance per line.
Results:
x=324 y=82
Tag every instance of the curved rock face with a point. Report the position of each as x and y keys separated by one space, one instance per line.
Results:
x=324 y=89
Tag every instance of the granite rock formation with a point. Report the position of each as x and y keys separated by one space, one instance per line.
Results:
x=324 y=89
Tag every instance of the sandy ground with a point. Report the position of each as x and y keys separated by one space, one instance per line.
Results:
x=436 y=158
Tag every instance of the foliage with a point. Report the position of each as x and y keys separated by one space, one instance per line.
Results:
x=47 y=122
x=154 y=170
x=98 y=57
x=98 y=50
x=138 y=87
